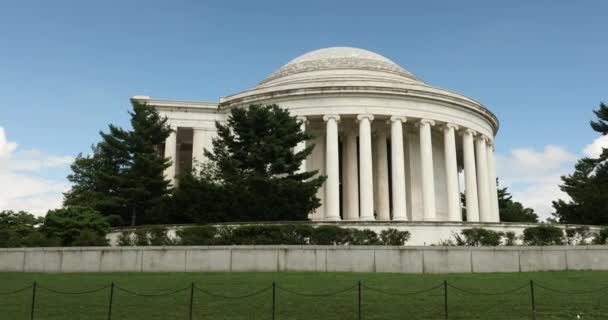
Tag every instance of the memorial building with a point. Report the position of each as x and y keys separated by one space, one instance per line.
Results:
x=393 y=147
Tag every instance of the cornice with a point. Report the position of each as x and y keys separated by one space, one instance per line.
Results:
x=435 y=94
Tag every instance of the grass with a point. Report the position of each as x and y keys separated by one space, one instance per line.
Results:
x=383 y=296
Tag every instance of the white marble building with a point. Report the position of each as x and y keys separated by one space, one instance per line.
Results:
x=393 y=147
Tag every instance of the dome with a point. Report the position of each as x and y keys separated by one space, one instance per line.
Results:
x=346 y=63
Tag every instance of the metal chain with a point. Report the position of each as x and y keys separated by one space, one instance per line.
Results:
x=392 y=293
x=328 y=294
x=232 y=297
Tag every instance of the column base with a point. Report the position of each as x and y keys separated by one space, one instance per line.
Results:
x=332 y=219
x=400 y=219
x=367 y=219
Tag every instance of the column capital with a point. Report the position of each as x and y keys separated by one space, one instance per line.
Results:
x=331 y=116
x=369 y=117
x=426 y=121
x=398 y=118
x=482 y=138
x=302 y=118
x=468 y=131
x=450 y=125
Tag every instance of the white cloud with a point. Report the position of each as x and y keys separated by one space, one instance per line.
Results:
x=533 y=176
x=22 y=186
x=594 y=149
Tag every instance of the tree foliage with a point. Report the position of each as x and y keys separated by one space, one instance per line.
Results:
x=587 y=186
x=76 y=226
x=253 y=172
x=124 y=175
x=513 y=211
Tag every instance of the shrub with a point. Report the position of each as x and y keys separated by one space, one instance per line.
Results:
x=199 y=235
x=394 y=237
x=89 y=237
x=543 y=235
x=330 y=235
x=363 y=237
x=510 y=238
x=157 y=236
x=481 y=237
x=141 y=237
x=264 y=235
x=125 y=239
x=578 y=235
x=601 y=237
x=67 y=224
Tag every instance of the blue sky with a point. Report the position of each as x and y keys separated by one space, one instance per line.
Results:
x=67 y=69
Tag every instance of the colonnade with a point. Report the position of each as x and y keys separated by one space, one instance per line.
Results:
x=371 y=184
x=371 y=190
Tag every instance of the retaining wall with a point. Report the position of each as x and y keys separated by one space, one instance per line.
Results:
x=304 y=258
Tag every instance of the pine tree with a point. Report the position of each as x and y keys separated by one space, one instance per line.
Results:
x=124 y=176
x=513 y=211
x=588 y=185
x=256 y=163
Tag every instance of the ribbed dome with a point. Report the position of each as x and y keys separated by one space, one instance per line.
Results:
x=345 y=63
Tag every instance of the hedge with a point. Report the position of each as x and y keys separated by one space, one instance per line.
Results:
x=263 y=235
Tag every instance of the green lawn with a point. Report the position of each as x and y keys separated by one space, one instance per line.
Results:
x=306 y=296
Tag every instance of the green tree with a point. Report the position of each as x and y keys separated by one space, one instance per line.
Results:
x=513 y=211
x=257 y=167
x=18 y=229
x=124 y=176
x=587 y=186
x=76 y=226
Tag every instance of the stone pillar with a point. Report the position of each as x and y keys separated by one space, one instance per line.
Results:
x=332 y=163
x=302 y=145
x=350 y=176
x=483 y=189
x=381 y=175
x=451 y=169
x=492 y=182
x=398 y=169
x=171 y=154
x=470 y=177
x=366 y=183
x=199 y=138
x=428 y=177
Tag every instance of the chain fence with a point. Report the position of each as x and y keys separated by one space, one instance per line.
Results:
x=531 y=300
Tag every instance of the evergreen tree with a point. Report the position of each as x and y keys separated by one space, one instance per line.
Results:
x=588 y=185
x=509 y=210
x=124 y=176
x=256 y=164
x=513 y=211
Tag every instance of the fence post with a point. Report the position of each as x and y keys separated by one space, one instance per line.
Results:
x=532 y=300
x=191 y=300
x=445 y=298
x=359 y=301
x=274 y=287
x=111 y=300
x=33 y=300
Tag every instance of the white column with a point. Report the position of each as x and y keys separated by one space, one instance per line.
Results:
x=381 y=164
x=366 y=184
x=451 y=169
x=332 y=163
x=302 y=144
x=483 y=189
x=350 y=176
x=492 y=182
x=398 y=169
x=199 y=138
x=428 y=177
x=470 y=177
x=171 y=154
